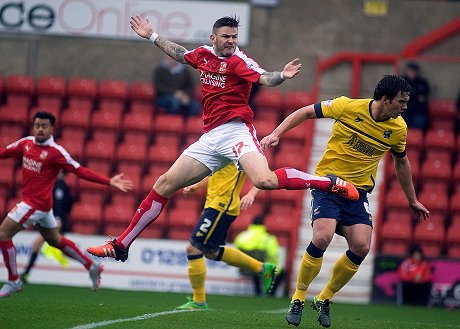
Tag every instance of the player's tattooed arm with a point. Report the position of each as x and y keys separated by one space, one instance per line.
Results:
x=271 y=79
x=172 y=49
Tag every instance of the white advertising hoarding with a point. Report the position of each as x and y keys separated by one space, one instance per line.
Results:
x=184 y=21
x=153 y=265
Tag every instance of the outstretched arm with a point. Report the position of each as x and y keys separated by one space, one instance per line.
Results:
x=145 y=30
x=404 y=174
x=275 y=78
x=291 y=121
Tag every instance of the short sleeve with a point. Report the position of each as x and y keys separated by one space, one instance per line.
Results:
x=191 y=57
x=332 y=108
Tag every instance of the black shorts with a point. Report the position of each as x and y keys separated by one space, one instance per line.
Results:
x=211 y=230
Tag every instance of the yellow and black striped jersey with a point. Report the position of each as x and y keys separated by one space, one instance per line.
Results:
x=224 y=188
x=358 y=142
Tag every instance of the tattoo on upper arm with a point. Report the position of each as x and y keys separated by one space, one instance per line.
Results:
x=172 y=49
x=272 y=78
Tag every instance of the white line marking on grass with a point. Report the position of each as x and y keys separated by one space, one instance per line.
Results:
x=278 y=311
x=136 y=318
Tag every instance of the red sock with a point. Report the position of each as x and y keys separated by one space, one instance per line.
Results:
x=149 y=210
x=293 y=179
x=69 y=248
x=9 y=258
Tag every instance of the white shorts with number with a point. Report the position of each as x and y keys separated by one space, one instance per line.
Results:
x=26 y=215
x=224 y=144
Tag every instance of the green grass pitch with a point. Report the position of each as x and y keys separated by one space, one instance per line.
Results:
x=45 y=306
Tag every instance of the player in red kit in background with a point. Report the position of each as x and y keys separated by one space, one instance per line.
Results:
x=42 y=159
x=226 y=77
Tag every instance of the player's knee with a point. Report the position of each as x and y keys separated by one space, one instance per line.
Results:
x=322 y=241
x=360 y=249
x=212 y=255
x=264 y=183
x=191 y=250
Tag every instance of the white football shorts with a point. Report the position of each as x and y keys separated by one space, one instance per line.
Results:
x=224 y=144
x=26 y=215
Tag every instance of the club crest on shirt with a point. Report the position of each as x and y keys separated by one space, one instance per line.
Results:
x=327 y=103
x=223 y=67
x=387 y=134
x=43 y=155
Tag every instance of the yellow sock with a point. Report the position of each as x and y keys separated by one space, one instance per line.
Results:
x=342 y=272
x=308 y=270
x=197 y=275
x=237 y=258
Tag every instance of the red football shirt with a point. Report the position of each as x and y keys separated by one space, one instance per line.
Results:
x=41 y=163
x=225 y=84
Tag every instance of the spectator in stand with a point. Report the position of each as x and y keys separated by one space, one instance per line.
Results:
x=416 y=115
x=62 y=204
x=415 y=274
x=174 y=88
x=263 y=246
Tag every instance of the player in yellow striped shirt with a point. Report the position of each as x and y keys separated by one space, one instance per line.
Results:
x=363 y=131
x=208 y=237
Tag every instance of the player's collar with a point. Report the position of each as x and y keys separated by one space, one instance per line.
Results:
x=48 y=142
x=237 y=50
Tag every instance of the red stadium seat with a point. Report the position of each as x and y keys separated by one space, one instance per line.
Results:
x=395 y=198
x=404 y=216
x=268 y=99
x=16 y=115
x=51 y=86
x=142 y=107
x=264 y=127
x=440 y=139
x=395 y=237
x=51 y=92
x=10 y=133
x=444 y=108
x=100 y=149
x=193 y=203
x=82 y=88
x=86 y=217
x=163 y=153
x=142 y=91
x=132 y=171
x=194 y=126
x=76 y=117
x=107 y=118
x=453 y=240
x=430 y=237
x=436 y=170
x=113 y=89
x=169 y=123
x=291 y=155
x=7 y=176
x=183 y=218
x=20 y=84
x=74 y=147
x=293 y=100
x=132 y=152
x=138 y=121
x=454 y=203
x=435 y=201
x=415 y=139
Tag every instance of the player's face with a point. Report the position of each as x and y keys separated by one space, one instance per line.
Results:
x=42 y=129
x=396 y=106
x=225 y=41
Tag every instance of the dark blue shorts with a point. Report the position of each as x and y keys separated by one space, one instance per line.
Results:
x=211 y=231
x=346 y=212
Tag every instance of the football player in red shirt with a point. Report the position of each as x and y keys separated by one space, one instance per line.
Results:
x=226 y=77
x=42 y=159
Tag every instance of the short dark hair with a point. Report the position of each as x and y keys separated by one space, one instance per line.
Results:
x=45 y=115
x=230 y=21
x=390 y=86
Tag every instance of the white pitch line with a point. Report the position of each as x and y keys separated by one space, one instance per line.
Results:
x=136 y=318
